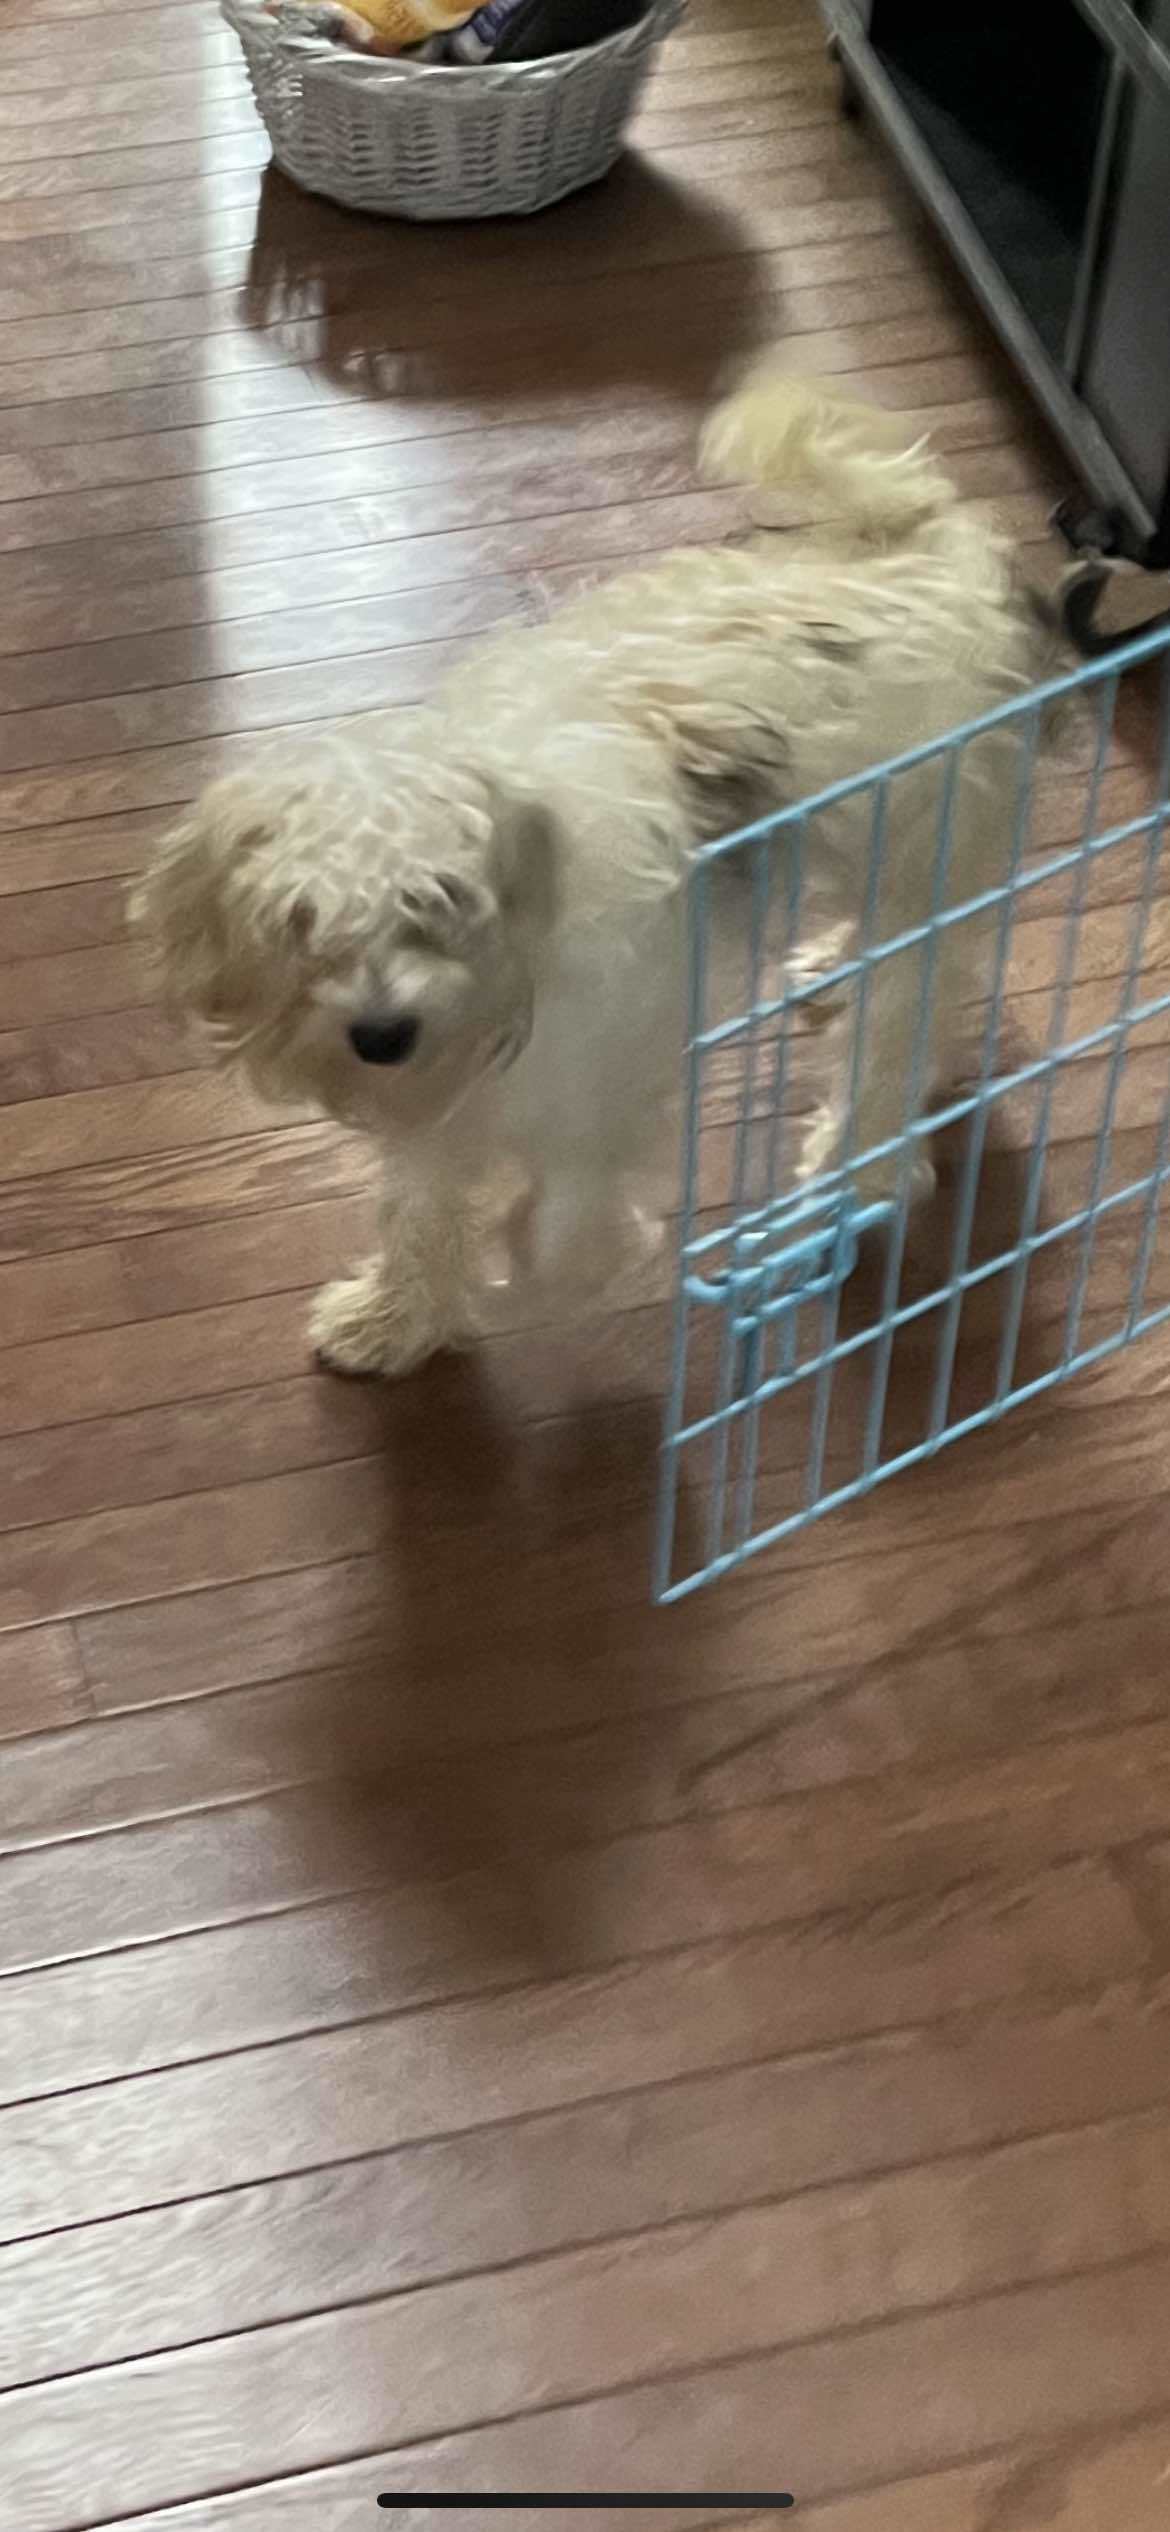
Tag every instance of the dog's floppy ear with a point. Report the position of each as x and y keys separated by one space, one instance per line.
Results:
x=197 y=914
x=523 y=856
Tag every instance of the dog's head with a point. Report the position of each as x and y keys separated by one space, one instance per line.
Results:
x=362 y=931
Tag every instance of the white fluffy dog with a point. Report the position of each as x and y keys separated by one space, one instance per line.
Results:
x=463 y=933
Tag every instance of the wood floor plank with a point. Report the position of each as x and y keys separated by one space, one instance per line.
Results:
x=290 y=1165
x=51 y=103
x=809 y=203
x=61 y=1295
x=454 y=336
x=204 y=1538
x=1118 y=2477
x=325 y=1615
x=794 y=71
x=286 y=532
x=34 y=990
x=447 y=1925
x=116 y=1124
x=86 y=850
x=644 y=1888
x=209 y=327
x=291 y=535
x=409 y=620
x=153 y=777
x=104 y=1285
x=1095 y=2479
x=390 y=2223
x=158 y=482
x=653 y=1743
x=42 y=1682
x=47 y=13
x=94 y=1053
x=122 y=1199
x=135 y=43
x=279 y=410
x=228 y=2409
x=191 y=2129
x=37 y=210
x=661 y=2276
x=376 y=570
x=42 y=921
x=189 y=1354
x=168 y=1271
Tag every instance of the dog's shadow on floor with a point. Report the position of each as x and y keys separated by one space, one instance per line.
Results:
x=387 y=311
x=497 y=1737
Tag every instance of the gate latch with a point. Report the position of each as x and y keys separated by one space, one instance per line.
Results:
x=799 y=1249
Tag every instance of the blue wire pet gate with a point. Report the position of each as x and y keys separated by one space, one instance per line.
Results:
x=875 y=1335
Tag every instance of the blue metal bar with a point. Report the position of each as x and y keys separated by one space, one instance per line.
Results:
x=977 y=1138
x=1126 y=1023
x=755 y=1367
x=674 y=1439
x=895 y=1255
x=867 y=948
x=729 y=1366
x=831 y=1304
x=1014 y=1313
x=795 y=859
x=1145 y=1255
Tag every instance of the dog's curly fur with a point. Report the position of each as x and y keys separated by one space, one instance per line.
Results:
x=505 y=871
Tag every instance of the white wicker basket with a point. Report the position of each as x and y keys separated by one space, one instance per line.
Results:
x=427 y=142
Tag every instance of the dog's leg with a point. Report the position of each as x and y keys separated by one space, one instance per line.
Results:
x=893 y=1073
x=577 y=1234
x=412 y=1297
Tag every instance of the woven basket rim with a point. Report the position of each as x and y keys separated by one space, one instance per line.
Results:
x=460 y=83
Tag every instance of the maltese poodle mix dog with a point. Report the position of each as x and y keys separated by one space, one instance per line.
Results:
x=463 y=931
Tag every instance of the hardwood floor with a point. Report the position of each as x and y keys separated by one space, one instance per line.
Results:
x=461 y=2028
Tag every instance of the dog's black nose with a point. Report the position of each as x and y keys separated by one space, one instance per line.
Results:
x=385 y=1041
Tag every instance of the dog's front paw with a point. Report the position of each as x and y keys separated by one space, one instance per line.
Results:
x=360 y=1327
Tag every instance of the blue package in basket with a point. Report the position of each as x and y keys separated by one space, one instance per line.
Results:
x=527 y=30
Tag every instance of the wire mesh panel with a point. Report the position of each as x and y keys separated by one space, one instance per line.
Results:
x=927 y=1111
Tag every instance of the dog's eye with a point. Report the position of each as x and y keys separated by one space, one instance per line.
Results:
x=385 y=1041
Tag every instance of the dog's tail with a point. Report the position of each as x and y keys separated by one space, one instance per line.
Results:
x=852 y=462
